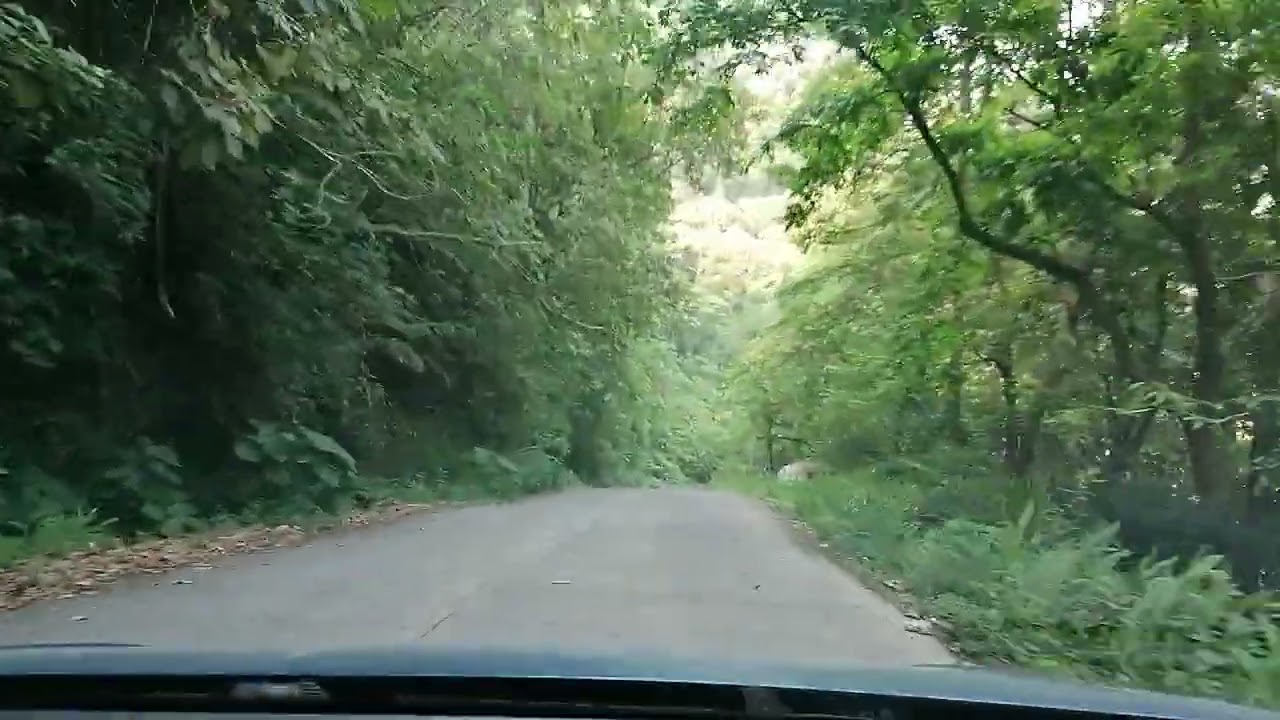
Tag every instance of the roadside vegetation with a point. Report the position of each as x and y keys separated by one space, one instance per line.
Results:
x=264 y=261
x=274 y=263
x=1036 y=330
x=1055 y=594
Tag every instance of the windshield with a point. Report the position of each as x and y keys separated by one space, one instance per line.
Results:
x=869 y=335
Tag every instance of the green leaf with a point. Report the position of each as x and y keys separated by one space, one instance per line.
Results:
x=327 y=445
x=328 y=475
x=278 y=60
x=163 y=453
x=248 y=451
x=380 y=9
x=25 y=90
x=169 y=95
x=209 y=153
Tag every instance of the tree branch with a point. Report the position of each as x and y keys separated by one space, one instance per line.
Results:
x=1095 y=178
x=1053 y=266
x=1161 y=292
x=1104 y=313
x=991 y=52
x=789 y=438
x=1002 y=367
x=1037 y=124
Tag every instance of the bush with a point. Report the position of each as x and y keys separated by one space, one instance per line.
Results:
x=361 y=314
x=529 y=471
x=1153 y=521
x=1041 y=593
x=52 y=535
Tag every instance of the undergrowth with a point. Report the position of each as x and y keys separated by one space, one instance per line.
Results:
x=481 y=475
x=1040 y=593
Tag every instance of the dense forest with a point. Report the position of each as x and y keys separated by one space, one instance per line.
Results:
x=1046 y=239
x=1037 y=323
x=258 y=254
x=1009 y=266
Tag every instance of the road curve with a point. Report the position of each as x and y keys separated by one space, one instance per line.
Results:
x=684 y=572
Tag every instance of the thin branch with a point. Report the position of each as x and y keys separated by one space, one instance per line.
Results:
x=151 y=21
x=789 y=438
x=1099 y=181
x=338 y=159
x=1049 y=264
x=160 y=208
x=1161 y=293
x=1055 y=267
x=1001 y=366
x=1008 y=64
x=559 y=312
x=1037 y=124
x=1265 y=270
x=321 y=191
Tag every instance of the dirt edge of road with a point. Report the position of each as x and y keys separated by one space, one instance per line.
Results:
x=92 y=571
x=879 y=583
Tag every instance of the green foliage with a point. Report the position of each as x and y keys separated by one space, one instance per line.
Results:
x=527 y=472
x=52 y=535
x=1038 y=298
x=1023 y=258
x=254 y=250
x=145 y=488
x=297 y=463
x=1046 y=242
x=1046 y=596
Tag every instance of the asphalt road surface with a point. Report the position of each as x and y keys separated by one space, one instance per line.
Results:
x=684 y=572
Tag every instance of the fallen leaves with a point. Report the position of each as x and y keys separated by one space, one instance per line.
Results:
x=86 y=572
x=921 y=625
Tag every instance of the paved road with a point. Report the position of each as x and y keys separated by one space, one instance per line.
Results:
x=693 y=573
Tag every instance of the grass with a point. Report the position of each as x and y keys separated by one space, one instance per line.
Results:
x=1038 y=593
x=58 y=535
x=53 y=536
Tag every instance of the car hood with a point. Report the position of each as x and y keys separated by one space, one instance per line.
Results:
x=959 y=682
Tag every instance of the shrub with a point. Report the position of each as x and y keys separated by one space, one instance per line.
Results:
x=1154 y=521
x=1042 y=593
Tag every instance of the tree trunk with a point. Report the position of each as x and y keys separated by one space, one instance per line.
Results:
x=584 y=457
x=1263 y=481
x=1213 y=474
x=1262 y=476
x=954 y=413
x=1012 y=450
x=770 y=422
x=1102 y=310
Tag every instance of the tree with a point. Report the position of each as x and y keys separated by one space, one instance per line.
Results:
x=239 y=232
x=1106 y=153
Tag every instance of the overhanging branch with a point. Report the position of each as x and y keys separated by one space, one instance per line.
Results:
x=1098 y=180
x=969 y=226
x=1091 y=297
